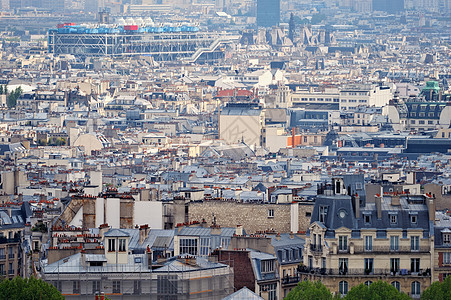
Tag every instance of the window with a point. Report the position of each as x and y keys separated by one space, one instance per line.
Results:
x=342 y=243
x=367 y=219
x=122 y=245
x=225 y=243
x=270 y=213
x=111 y=245
x=394 y=243
x=415 y=290
x=447 y=258
x=343 y=266
x=393 y=219
x=204 y=246
x=414 y=243
x=10 y=269
x=116 y=286
x=310 y=262
x=446 y=238
x=413 y=219
x=322 y=213
x=396 y=285
x=267 y=266
x=394 y=265
x=167 y=285
x=368 y=283
x=2 y=253
x=188 y=246
x=343 y=287
x=368 y=265
x=76 y=287
x=414 y=265
x=96 y=286
x=368 y=243
x=136 y=287
x=271 y=289
x=323 y=262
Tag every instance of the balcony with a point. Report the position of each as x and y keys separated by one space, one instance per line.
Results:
x=291 y=279
x=363 y=272
x=5 y=240
x=388 y=249
x=316 y=249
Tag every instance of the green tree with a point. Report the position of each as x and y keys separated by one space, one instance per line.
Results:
x=28 y=288
x=378 y=290
x=438 y=291
x=13 y=96
x=311 y=291
x=5 y=89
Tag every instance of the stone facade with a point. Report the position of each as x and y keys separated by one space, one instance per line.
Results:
x=255 y=217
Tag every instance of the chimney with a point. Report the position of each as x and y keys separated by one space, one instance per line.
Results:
x=395 y=201
x=149 y=257
x=291 y=235
x=103 y=229
x=239 y=230
x=143 y=233
x=357 y=206
x=379 y=206
x=431 y=208
x=278 y=236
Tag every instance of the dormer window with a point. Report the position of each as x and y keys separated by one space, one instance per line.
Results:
x=122 y=245
x=413 y=219
x=322 y=214
x=393 y=219
x=367 y=219
x=447 y=238
x=111 y=245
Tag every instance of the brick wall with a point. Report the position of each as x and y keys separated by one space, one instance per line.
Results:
x=254 y=217
x=242 y=267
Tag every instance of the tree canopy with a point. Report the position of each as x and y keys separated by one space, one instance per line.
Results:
x=13 y=96
x=438 y=291
x=379 y=290
x=310 y=290
x=28 y=288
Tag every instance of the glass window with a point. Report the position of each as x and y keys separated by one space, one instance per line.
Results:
x=415 y=291
x=111 y=245
x=322 y=213
x=394 y=243
x=393 y=219
x=204 y=246
x=122 y=245
x=343 y=287
x=116 y=286
x=394 y=265
x=446 y=238
x=368 y=262
x=414 y=265
x=343 y=266
x=267 y=266
x=368 y=283
x=270 y=213
x=271 y=289
x=414 y=243
x=368 y=243
x=397 y=285
x=342 y=243
x=95 y=286
x=167 y=285
x=188 y=246
x=76 y=286
x=413 y=219
x=447 y=258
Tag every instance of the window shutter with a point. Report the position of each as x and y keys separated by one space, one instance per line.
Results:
x=440 y=259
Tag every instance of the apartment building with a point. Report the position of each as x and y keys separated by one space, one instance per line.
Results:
x=350 y=241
